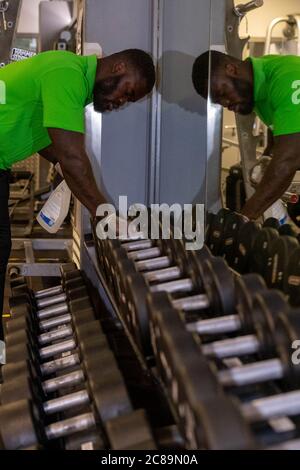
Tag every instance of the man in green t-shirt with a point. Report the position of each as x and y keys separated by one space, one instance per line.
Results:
x=270 y=86
x=42 y=101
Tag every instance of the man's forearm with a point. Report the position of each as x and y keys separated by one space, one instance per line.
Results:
x=49 y=154
x=80 y=179
x=275 y=182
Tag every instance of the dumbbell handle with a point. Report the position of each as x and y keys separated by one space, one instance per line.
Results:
x=276 y=406
x=48 y=301
x=67 y=380
x=153 y=263
x=182 y=285
x=41 y=294
x=214 y=326
x=54 y=322
x=137 y=245
x=70 y=426
x=161 y=275
x=144 y=254
x=48 y=368
x=195 y=302
x=55 y=335
x=243 y=345
x=66 y=402
x=53 y=310
x=58 y=348
x=248 y=374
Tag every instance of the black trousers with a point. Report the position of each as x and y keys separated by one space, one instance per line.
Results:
x=5 y=236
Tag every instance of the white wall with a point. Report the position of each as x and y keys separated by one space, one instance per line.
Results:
x=258 y=20
x=29 y=17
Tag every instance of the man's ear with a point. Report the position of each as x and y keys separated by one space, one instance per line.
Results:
x=231 y=70
x=119 y=68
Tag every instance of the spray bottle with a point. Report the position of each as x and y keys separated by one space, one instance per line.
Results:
x=55 y=210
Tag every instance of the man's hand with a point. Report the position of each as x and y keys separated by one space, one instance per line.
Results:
x=69 y=150
x=278 y=176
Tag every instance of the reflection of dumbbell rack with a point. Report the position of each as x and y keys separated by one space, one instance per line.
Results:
x=270 y=250
x=218 y=309
x=60 y=360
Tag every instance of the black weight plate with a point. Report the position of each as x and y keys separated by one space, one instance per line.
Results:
x=116 y=255
x=217 y=228
x=18 y=352
x=261 y=250
x=177 y=253
x=11 y=371
x=195 y=266
x=287 y=330
x=21 y=388
x=20 y=425
x=218 y=285
x=287 y=229
x=222 y=426
x=17 y=281
x=244 y=245
x=164 y=242
x=267 y=306
x=182 y=354
x=271 y=222
x=130 y=432
x=247 y=287
x=281 y=250
x=20 y=300
x=109 y=394
x=157 y=301
x=233 y=225
x=294 y=212
x=124 y=268
x=209 y=218
x=292 y=279
x=137 y=291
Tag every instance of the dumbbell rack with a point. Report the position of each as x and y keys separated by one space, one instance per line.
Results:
x=126 y=427
x=32 y=266
x=97 y=277
x=103 y=274
x=252 y=442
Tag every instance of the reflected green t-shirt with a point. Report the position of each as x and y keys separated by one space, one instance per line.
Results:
x=50 y=89
x=277 y=92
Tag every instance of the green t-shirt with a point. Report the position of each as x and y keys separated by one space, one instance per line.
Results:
x=277 y=92
x=50 y=89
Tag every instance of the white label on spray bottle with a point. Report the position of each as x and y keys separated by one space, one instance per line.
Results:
x=53 y=210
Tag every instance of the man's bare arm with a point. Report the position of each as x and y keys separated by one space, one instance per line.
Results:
x=70 y=151
x=270 y=146
x=278 y=176
x=49 y=154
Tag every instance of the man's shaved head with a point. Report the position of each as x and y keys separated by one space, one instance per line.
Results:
x=230 y=79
